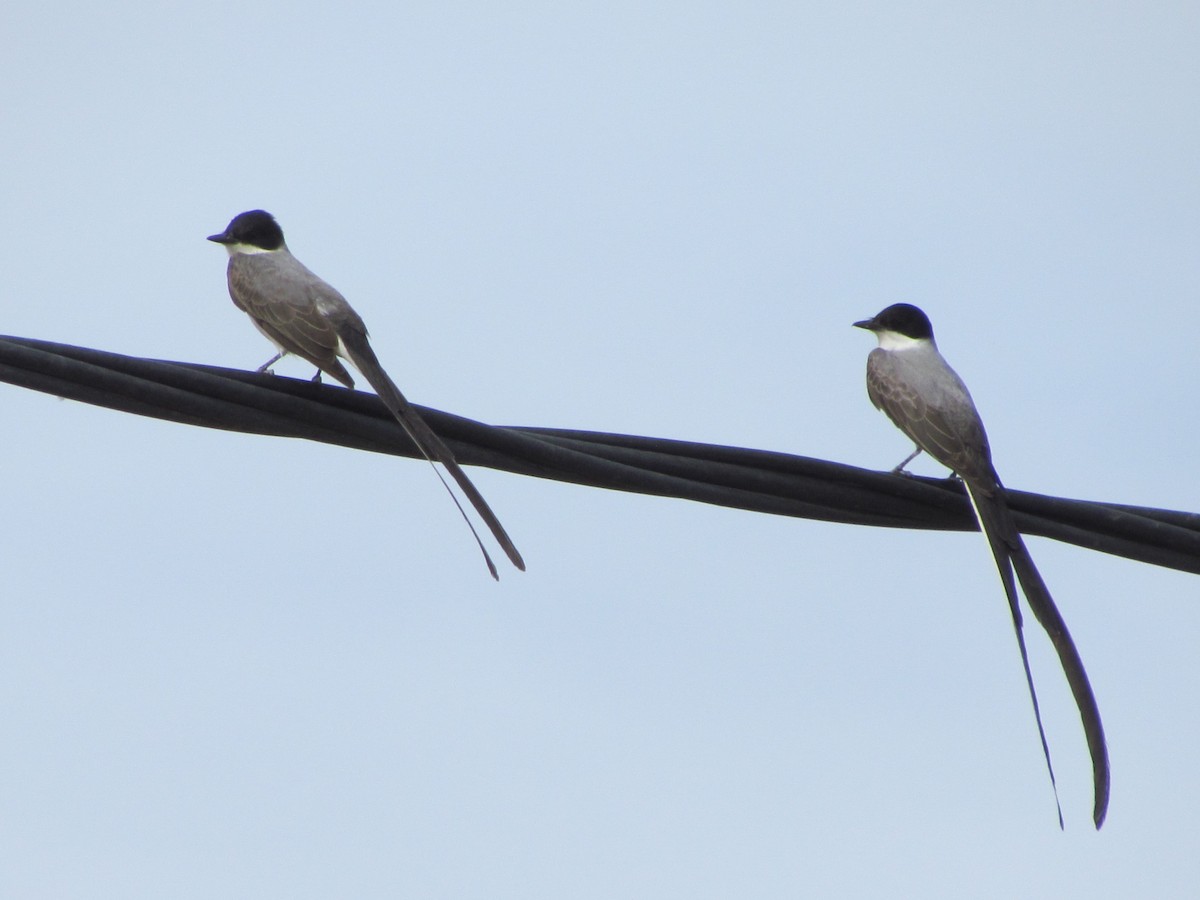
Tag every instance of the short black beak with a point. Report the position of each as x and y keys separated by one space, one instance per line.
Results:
x=868 y=324
x=221 y=238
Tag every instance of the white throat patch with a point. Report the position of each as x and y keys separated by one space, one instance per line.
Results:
x=247 y=250
x=894 y=340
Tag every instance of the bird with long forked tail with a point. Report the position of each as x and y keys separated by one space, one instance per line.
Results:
x=909 y=380
x=302 y=314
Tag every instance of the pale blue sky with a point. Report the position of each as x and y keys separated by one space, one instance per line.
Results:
x=234 y=666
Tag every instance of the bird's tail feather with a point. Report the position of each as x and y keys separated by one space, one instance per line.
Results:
x=431 y=446
x=992 y=515
x=1044 y=610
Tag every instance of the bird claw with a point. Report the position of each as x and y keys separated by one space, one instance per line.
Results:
x=265 y=368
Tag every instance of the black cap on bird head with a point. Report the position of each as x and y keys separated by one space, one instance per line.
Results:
x=901 y=318
x=257 y=228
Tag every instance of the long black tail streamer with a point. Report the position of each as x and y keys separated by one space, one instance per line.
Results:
x=755 y=480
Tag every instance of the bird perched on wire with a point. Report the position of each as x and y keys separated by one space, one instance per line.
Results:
x=910 y=381
x=302 y=314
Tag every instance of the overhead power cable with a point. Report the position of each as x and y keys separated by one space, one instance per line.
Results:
x=755 y=480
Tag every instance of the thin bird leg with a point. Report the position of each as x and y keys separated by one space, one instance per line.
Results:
x=266 y=367
x=900 y=468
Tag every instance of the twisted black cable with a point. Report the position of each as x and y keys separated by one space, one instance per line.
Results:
x=756 y=480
